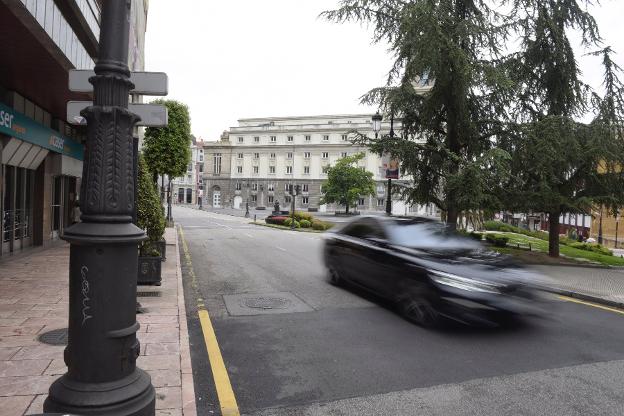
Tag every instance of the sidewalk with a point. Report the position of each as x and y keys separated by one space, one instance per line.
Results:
x=34 y=300
x=600 y=285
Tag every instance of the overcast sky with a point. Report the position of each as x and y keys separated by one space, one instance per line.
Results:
x=232 y=59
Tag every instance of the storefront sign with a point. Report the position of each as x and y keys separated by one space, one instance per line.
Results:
x=15 y=124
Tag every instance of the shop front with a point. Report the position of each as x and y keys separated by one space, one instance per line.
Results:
x=38 y=182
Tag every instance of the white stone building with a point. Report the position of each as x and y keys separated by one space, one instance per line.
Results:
x=257 y=160
x=188 y=189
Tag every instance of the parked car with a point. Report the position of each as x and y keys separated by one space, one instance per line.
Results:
x=429 y=271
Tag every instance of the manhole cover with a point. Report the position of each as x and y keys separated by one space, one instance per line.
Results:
x=148 y=294
x=54 y=337
x=266 y=302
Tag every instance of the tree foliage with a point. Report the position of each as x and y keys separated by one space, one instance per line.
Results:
x=560 y=164
x=346 y=182
x=149 y=210
x=167 y=149
x=457 y=45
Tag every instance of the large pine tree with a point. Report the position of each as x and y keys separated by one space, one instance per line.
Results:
x=561 y=164
x=449 y=124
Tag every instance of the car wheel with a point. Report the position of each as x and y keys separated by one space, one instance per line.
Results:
x=417 y=309
x=334 y=277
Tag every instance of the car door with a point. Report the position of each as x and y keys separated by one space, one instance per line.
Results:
x=380 y=266
x=353 y=251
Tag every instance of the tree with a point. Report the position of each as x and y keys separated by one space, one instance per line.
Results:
x=450 y=92
x=560 y=164
x=346 y=182
x=167 y=149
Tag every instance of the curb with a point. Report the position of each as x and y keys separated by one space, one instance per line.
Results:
x=582 y=296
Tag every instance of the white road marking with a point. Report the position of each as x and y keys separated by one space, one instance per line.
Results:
x=279 y=248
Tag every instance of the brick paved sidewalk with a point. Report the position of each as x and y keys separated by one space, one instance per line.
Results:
x=34 y=300
x=602 y=285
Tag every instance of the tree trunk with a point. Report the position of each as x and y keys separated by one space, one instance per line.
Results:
x=347 y=210
x=451 y=214
x=553 y=234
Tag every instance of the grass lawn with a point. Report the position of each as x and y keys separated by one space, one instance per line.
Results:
x=541 y=246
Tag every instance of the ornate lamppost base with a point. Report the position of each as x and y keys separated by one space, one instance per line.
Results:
x=133 y=395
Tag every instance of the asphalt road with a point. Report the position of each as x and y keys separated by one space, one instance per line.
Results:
x=322 y=350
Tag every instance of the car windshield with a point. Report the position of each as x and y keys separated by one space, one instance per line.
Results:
x=429 y=236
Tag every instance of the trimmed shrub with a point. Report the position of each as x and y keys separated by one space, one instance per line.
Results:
x=596 y=248
x=300 y=215
x=149 y=211
x=321 y=225
x=496 y=240
x=305 y=224
x=476 y=236
x=288 y=223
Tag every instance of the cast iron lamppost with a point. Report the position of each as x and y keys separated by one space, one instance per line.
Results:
x=377 y=128
x=102 y=377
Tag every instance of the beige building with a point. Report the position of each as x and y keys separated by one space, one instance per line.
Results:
x=255 y=162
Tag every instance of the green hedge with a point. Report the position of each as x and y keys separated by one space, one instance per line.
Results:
x=596 y=248
x=507 y=228
x=149 y=211
x=321 y=225
x=305 y=224
x=300 y=215
x=497 y=240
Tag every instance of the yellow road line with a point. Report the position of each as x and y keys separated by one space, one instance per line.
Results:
x=225 y=393
x=595 y=305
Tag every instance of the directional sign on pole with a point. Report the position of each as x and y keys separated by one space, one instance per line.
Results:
x=152 y=115
x=145 y=83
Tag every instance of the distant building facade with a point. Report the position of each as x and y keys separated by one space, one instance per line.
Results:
x=255 y=162
x=188 y=189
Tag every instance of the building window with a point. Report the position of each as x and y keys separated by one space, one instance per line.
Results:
x=325 y=170
x=343 y=154
x=256 y=155
x=254 y=186
x=201 y=158
x=239 y=169
x=190 y=167
x=325 y=155
x=286 y=187
x=290 y=138
x=308 y=138
x=361 y=201
x=271 y=187
x=238 y=186
x=363 y=168
x=217 y=163
x=306 y=155
x=188 y=179
x=344 y=137
x=380 y=202
x=254 y=198
x=201 y=167
x=305 y=187
x=325 y=137
x=306 y=170
x=289 y=170
x=287 y=199
x=272 y=155
x=381 y=189
x=272 y=169
x=257 y=139
x=273 y=139
x=289 y=155
x=255 y=169
x=240 y=155
x=305 y=200
x=270 y=199
x=240 y=139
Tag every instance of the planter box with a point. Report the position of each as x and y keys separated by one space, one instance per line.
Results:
x=162 y=249
x=150 y=271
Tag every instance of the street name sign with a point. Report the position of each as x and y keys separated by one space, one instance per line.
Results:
x=152 y=115
x=145 y=83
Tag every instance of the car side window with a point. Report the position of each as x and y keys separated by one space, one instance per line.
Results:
x=358 y=230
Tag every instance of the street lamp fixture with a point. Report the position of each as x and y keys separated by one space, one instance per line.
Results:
x=377 y=123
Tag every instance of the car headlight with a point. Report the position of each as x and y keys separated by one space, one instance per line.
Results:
x=463 y=283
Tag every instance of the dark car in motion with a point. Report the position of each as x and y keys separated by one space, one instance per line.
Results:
x=429 y=271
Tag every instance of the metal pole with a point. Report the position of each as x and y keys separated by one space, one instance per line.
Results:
x=600 y=227
x=389 y=198
x=292 y=223
x=102 y=377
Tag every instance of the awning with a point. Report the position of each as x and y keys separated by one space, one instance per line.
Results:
x=19 y=153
